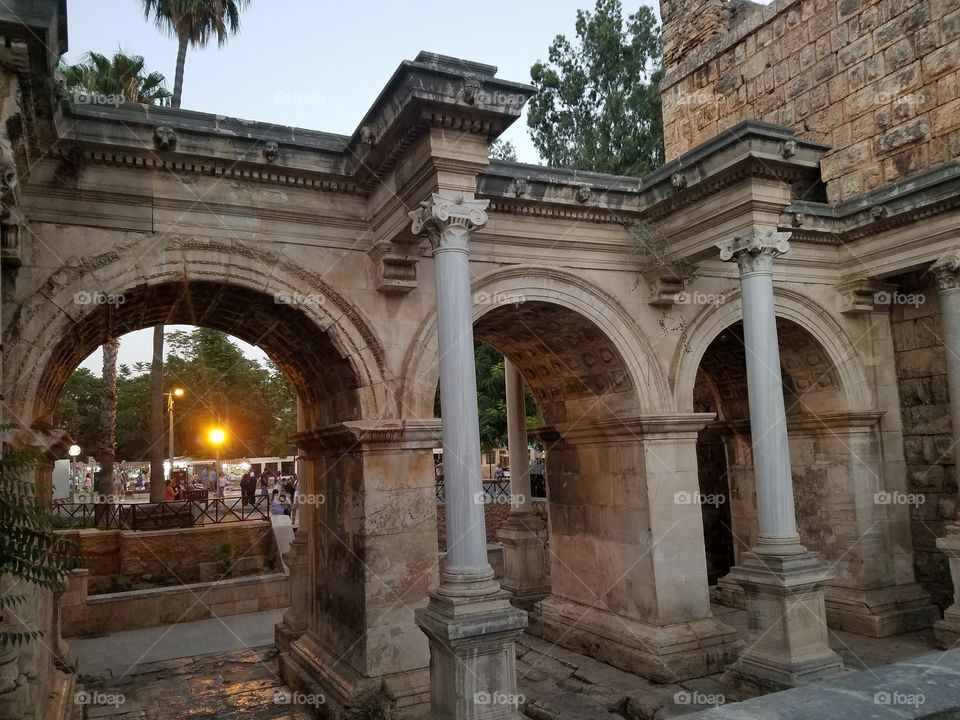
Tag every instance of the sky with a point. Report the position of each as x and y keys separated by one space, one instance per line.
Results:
x=320 y=65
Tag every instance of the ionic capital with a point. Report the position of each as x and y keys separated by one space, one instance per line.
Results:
x=448 y=223
x=754 y=253
x=947 y=270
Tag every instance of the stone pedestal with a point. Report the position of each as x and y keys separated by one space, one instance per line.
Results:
x=947 y=630
x=524 y=538
x=473 y=665
x=787 y=643
x=663 y=653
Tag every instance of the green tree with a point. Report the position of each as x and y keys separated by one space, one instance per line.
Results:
x=194 y=22
x=107 y=445
x=122 y=75
x=597 y=102
x=133 y=420
x=78 y=411
x=503 y=150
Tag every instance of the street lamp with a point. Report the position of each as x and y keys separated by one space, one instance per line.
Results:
x=73 y=451
x=217 y=436
x=179 y=393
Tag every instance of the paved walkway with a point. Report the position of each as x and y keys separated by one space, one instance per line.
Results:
x=228 y=669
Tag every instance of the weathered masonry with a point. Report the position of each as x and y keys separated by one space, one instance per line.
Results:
x=811 y=365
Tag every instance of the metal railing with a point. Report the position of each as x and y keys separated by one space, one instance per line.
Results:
x=163 y=515
x=493 y=489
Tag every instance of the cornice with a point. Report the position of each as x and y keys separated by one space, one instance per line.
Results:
x=365 y=435
x=900 y=203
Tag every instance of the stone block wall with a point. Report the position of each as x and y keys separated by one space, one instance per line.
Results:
x=878 y=80
x=927 y=431
x=495 y=515
x=142 y=556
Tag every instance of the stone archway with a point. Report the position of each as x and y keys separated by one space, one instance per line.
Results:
x=627 y=571
x=357 y=577
x=837 y=469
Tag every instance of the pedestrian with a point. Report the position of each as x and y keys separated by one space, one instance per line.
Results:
x=139 y=485
x=169 y=493
x=222 y=483
x=264 y=485
x=277 y=504
x=87 y=483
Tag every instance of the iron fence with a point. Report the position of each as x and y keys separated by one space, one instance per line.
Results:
x=162 y=515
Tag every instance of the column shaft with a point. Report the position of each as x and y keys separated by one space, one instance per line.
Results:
x=768 y=422
x=466 y=531
x=517 y=440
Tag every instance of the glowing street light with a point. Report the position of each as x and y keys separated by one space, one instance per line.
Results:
x=73 y=451
x=217 y=436
x=177 y=392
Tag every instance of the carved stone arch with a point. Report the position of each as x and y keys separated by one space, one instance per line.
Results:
x=34 y=338
x=801 y=310
x=538 y=287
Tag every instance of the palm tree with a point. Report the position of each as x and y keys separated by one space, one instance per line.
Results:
x=194 y=22
x=121 y=76
x=107 y=445
x=157 y=488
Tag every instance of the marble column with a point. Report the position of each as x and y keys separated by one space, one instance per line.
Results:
x=469 y=620
x=782 y=581
x=947 y=271
x=524 y=535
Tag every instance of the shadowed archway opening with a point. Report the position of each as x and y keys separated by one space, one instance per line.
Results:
x=323 y=378
x=812 y=393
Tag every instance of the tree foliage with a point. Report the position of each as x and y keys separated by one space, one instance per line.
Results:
x=194 y=22
x=121 y=76
x=597 y=101
x=254 y=402
x=503 y=150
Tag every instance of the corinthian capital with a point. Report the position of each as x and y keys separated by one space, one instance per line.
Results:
x=754 y=253
x=947 y=270
x=448 y=223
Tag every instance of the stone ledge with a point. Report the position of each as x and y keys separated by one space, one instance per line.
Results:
x=877 y=693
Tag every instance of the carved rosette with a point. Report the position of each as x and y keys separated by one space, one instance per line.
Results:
x=947 y=271
x=448 y=223
x=755 y=253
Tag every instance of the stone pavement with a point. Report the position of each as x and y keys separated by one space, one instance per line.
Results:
x=161 y=673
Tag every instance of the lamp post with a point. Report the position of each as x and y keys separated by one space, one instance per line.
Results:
x=73 y=451
x=175 y=392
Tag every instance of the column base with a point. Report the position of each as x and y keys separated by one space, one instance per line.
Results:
x=307 y=667
x=666 y=654
x=880 y=612
x=947 y=630
x=786 y=621
x=524 y=538
x=473 y=662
